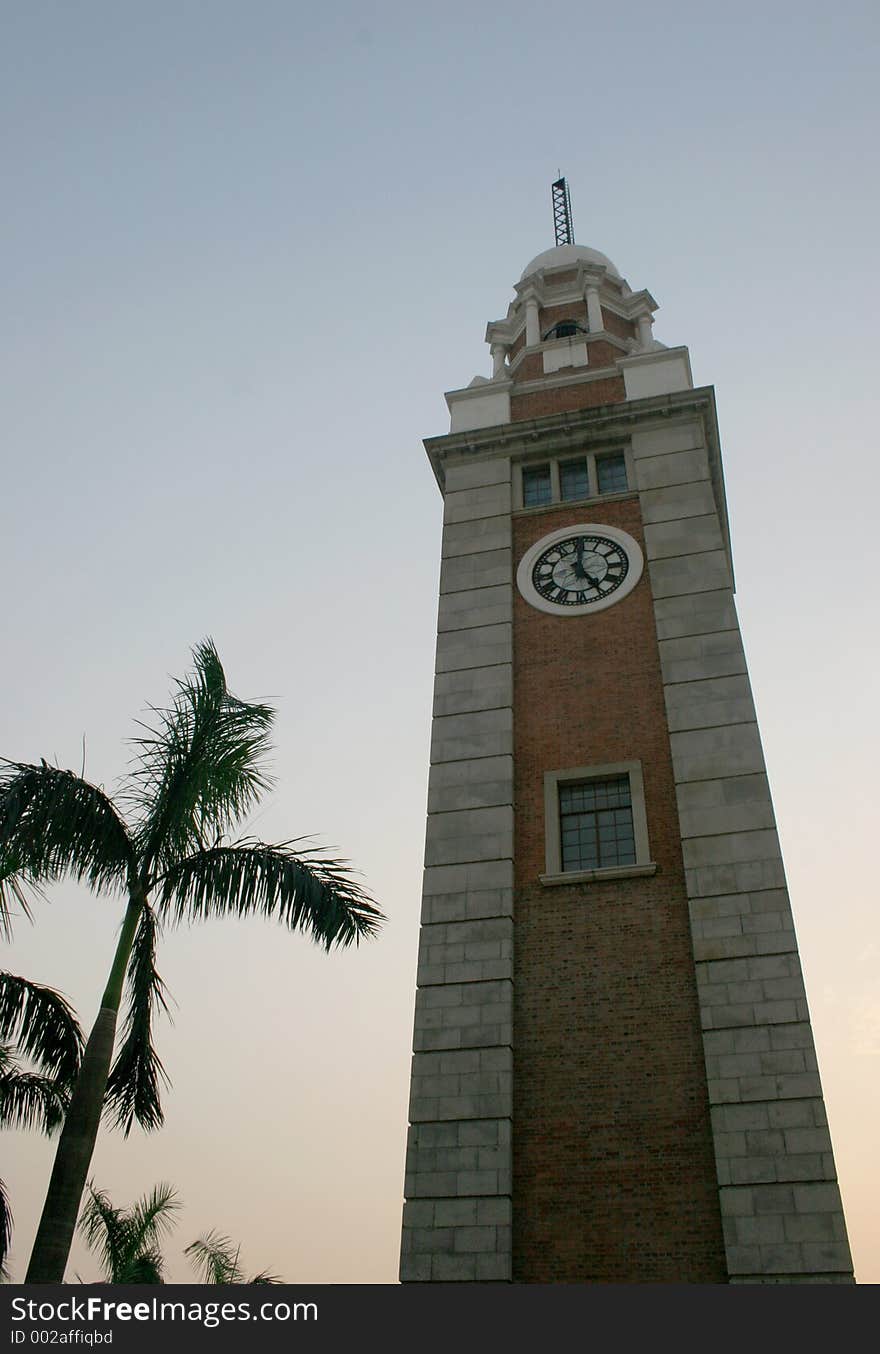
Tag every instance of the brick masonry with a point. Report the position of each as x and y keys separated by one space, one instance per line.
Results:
x=614 y=1177
x=615 y=324
x=588 y=394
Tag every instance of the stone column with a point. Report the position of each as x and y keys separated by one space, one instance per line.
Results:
x=594 y=310
x=533 y=333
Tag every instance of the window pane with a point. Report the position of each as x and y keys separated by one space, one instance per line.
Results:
x=536 y=486
x=611 y=473
x=596 y=824
x=573 y=479
x=595 y=794
x=580 y=853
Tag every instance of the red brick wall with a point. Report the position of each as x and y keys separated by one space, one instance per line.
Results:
x=614 y=1177
x=531 y=368
x=616 y=325
x=602 y=354
x=559 y=399
x=573 y=310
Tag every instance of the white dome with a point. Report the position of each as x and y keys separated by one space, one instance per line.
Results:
x=567 y=254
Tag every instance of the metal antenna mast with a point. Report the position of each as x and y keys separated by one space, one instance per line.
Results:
x=562 y=223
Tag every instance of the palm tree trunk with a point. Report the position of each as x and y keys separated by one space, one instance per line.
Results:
x=79 y=1134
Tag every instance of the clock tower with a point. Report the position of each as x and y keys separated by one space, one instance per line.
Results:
x=613 y=1077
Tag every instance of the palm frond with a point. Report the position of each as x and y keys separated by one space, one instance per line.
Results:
x=198 y=770
x=6 y=1221
x=146 y=1268
x=216 y=1258
x=152 y=1217
x=127 y=1239
x=137 y=1076
x=53 y=823
x=28 y=1100
x=15 y=887
x=43 y=1025
x=308 y=893
x=105 y=1229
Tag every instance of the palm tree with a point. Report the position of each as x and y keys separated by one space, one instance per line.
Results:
x=38 y=1023
x=128 y=1238
x=128 y=1241
x=198 y=773
x=216 y=1258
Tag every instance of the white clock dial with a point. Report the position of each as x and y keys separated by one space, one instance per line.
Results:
x=580 y=569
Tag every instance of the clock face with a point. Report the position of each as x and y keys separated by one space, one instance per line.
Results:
x=580 y=569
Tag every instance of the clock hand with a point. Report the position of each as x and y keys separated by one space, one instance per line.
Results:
x=582 y=572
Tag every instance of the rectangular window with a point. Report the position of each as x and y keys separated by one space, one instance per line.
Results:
x=574 y=480
x=536 y=487
x=611 y=473
x=596 y=824
x=571 y=478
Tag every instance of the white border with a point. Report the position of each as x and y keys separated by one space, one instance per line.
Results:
x=574 y=775
x=623 y=539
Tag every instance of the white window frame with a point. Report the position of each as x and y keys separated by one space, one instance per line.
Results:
x=552 y=834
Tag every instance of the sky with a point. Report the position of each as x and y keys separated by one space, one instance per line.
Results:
x=246 y=248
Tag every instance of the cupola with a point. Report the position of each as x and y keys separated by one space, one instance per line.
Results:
x=575 y=336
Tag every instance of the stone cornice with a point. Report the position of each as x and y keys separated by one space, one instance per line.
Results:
x=474 y=392
x=505 y=439
x=625 y=346
x=555 y=433
x=593 y=273
x=636 y=304
x=614 y=294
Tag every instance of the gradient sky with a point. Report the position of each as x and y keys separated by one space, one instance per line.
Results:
x=246 y=249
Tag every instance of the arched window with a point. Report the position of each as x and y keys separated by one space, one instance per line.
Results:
x=564 y=329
